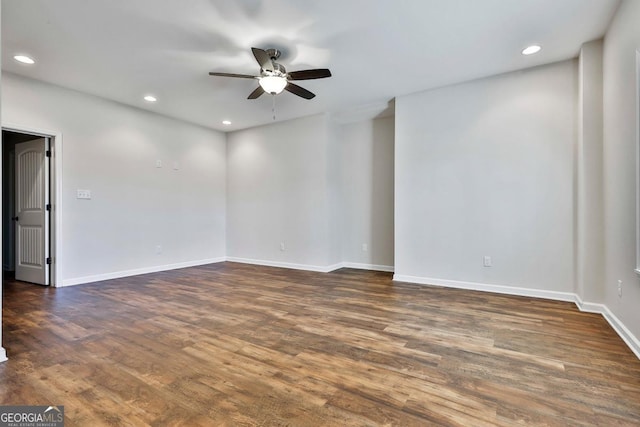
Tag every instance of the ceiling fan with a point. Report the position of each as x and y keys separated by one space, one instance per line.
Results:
x=274 y=78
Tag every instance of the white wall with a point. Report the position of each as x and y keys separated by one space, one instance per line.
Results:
x=321 y=188
x=589 y=224
x=334 y=193
x=366 y=159
x=112 y=149
x=620 y=164
x=486 y=168
x=277 y=191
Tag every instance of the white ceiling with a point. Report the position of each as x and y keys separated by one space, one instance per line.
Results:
x=376 y=49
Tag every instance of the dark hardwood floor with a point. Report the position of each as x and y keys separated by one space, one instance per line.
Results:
x=237 y=345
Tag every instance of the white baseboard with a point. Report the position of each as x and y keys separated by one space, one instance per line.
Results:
x=3 y=355
x=333 y=267
x=374 y=267
x=309 y=267
x=499 y=289
x=631 y=340
x=626 y=335
x=589 y=307
x=138 y=271
x=293 y=266
x=155 y=269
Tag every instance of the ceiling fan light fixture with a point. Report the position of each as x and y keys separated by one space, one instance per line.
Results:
x=273 y=84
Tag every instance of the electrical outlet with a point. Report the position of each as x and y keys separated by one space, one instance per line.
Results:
x=282 y=246
x=619 y=288
x=158 y=249
x=365 y=247
x=83 y=194
x=158 y=163
x=486 y=261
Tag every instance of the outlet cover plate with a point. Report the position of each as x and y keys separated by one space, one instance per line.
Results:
x=83 y=194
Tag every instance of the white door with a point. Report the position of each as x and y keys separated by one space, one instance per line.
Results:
x=31 y=219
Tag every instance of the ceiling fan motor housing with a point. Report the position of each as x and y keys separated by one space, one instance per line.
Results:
x=278 y=70
x=273 y=53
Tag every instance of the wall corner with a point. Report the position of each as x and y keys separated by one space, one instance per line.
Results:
x=589 y=175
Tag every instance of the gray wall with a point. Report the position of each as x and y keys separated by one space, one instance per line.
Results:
x=589 y=224
x=322 y=188
x=112 y=150
x=621 y=164
x=278 y=192
x=366 y=155
x=486 y=168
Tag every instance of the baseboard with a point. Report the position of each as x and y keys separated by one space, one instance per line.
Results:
x=631 y=340
x=589 y=307
x=309 y=267
x=333 y=267
x=138 y=271
x=498 y=289
x=155 y=269
x=626 y=335
x=374 y=267
x=3 y=355
x=293 y=266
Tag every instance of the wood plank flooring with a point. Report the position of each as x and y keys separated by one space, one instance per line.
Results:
x=236 y=345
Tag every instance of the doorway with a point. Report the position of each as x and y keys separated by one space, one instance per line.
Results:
x=27 y=195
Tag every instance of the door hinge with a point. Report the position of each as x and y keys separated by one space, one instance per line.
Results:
x=48 y=153
x=48 y=207
x=49 y=261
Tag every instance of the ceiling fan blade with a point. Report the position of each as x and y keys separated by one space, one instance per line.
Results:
x=263 y=59
x=318 y=73
x=241 y=76
x=300 y=91
x=256 y=93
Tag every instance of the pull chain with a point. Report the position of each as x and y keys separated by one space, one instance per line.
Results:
x=273 y=107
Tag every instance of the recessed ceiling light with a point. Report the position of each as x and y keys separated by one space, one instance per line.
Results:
x=531 y=50
x=226 y=122
x=150 y=98
x=24 y=59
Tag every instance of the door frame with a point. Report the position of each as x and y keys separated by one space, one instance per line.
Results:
x=55 y=193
